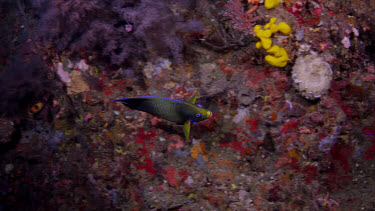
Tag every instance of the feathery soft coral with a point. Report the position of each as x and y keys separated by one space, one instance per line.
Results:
x=242 y=21
x=122 y=31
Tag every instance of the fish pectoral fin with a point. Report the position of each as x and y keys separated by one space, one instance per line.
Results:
x=192 y=99
x=187 y=129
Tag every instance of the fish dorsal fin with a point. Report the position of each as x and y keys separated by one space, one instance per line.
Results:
x=192 y=100
x=187 y=129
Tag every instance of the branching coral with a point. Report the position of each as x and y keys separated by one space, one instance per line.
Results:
x=223 y=28
x=242 y=21
x=222 y=39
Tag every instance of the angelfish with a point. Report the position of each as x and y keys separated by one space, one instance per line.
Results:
x=177 y=111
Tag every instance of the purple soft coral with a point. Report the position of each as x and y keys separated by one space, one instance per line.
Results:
x=75 y=25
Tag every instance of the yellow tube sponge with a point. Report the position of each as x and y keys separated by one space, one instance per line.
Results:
x=279 y=58
x=271 y=25
x=284 y=28
x=281 y=27
x=269 y=4
x=264 y=36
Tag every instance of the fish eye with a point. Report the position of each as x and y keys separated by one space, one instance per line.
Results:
x=198 y=114
x=36 y=108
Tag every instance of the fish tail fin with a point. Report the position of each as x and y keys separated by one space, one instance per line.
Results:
x=132 y=102
x=121 y=100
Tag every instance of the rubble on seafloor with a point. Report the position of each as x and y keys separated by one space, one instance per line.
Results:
x=266 y=147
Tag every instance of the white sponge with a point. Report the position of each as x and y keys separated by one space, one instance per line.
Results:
x=312 y=76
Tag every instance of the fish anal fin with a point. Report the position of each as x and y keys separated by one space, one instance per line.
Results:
x=187 y=129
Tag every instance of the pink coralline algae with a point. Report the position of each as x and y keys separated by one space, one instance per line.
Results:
x=282 y=162
x=176 y=143
x=298 y=9
x=253 y=124
x=147 y=165
x=255 y=78
x=175 y=177
x=311 y=173
x=288 y=126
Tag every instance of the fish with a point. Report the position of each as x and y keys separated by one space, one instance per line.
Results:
x=36 y=108
x=178 y=111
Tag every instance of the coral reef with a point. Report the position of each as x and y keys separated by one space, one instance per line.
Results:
x=66 y=145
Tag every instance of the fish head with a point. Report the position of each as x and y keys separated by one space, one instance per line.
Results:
x=197 y=114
